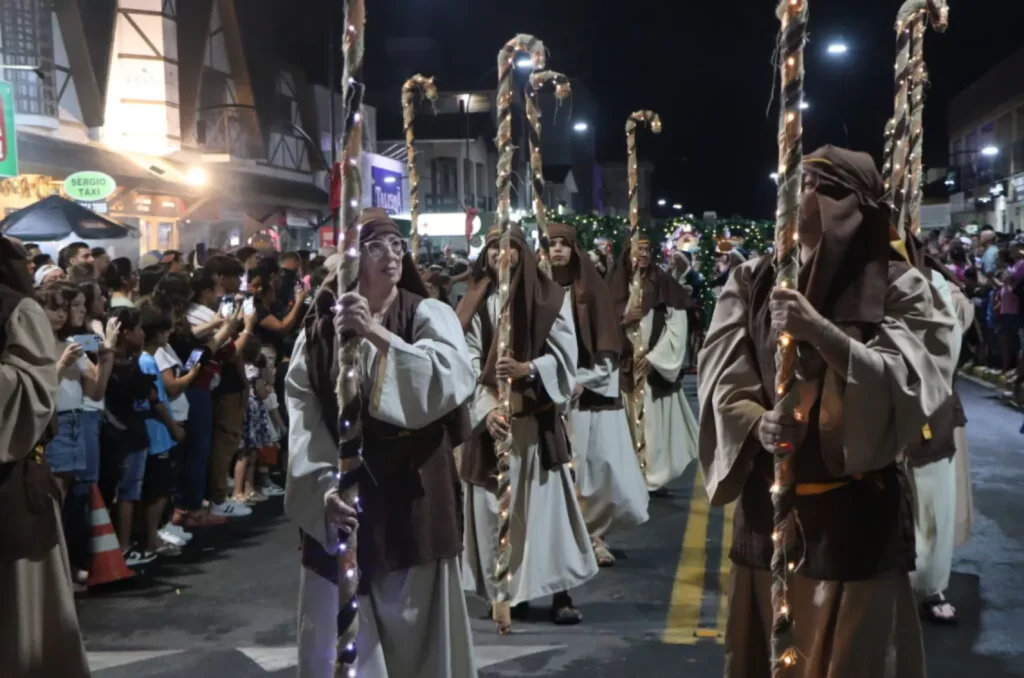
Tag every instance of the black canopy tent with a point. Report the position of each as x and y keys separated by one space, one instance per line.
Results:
x=56 y=218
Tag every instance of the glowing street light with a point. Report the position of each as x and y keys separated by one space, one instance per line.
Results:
x=677 y=207
x=581 y=127
x=525 y=63
x=804 y=105
x=196 y=176
x=990 y=151
x=838 y=48
x=661 y=203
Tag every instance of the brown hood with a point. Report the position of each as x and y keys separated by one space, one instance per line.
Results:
x=597 y=327
x=660 y=288
x=535 y=304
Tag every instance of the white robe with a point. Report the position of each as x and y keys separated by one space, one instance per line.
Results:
x=936 y=486
x=612 y=492
x=551 y=550
x=671 y=428
x=413 y=623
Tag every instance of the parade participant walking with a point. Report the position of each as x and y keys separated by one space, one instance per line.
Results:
x=413 y=619
x=669 y=424
x=611 y=488
x=543 y=374
x=938 y=462
x=875 y=362
x=39 y=633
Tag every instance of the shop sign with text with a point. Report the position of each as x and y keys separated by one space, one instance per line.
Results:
x=89 y=186
x=387 y=189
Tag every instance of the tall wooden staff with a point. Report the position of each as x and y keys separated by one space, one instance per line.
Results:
x=792 y=39
x=416 y=82
x=636 y=285
x=936 y=13
x=347 y=388
x=562 y=91
x=501 y=607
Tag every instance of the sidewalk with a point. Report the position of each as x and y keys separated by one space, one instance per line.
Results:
x=990 y=378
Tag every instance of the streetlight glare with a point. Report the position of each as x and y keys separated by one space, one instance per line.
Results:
x=661 y=203
x=196 y=176
x=990 y=151
x=524 y=63
x=804 y=105
x=581 y=127
x=677 y=206
x=837 y=48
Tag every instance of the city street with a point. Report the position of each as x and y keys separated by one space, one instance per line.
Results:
x=226 y=608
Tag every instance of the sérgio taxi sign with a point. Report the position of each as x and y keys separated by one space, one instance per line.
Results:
x=89 y=186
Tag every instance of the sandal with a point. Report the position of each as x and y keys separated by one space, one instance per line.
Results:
x=563 y=612
x=938 y=611
x=604 y=556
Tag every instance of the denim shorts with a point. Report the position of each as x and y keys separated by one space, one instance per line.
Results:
x=133 y=470
x=66 y=453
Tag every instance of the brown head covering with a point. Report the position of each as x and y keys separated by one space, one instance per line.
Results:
x=535 y=300
x=321 y=361
x=597 y=328
x=15 y=282
x=660 y=288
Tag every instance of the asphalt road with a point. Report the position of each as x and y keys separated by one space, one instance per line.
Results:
x=226 y=608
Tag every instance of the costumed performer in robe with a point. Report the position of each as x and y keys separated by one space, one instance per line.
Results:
x=875 y=361
x=670 y=427
x=416 y=376
x=550 y=547
x=612 y=492
x=39 y=633
x=940 y=473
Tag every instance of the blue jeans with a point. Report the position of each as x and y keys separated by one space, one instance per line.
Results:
x=65 y=453
x=91 y=422
x=198 y=442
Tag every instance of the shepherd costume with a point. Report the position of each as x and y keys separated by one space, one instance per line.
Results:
x=850 y=596
x=413 y=620
x=39 y=634
x=611 y=488
x=551 y=550
x=671 y=429
x=940 y=474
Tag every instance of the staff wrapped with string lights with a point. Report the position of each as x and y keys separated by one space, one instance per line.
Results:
x=409 y=89
x=563 y=90
x=638 y=416
x=522 y=43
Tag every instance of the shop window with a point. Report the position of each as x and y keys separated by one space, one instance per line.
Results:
x=26 y=39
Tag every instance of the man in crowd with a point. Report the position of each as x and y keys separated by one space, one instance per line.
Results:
x=74 y=254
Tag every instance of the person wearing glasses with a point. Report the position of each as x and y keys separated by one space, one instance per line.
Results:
x=415 y=378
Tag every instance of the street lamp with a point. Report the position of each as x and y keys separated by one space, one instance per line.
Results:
x=990 y=151
x=581 y=127
x=661 y=203
x=804 y=105
x=196 y=176
x=837 y=48
x=677 y=207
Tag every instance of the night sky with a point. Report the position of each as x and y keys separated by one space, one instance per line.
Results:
x=704 y=66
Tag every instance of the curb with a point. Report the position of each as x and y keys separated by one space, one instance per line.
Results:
x=1009 y=402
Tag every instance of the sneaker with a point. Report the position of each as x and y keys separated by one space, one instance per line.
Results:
x=134 y=557
x=272 y=489
x=170 y=537
x=230 y=509
x=255 y=498
x=168 y=549
x=179 y=531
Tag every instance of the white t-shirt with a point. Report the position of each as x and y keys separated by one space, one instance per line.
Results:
x=200 y=315
x=167 y=359
x=69 y=392
x=88 y=403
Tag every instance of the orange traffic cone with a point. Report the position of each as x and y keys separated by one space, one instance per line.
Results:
x=107 y=560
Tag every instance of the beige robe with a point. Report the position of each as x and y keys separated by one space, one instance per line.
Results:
x=671 y=430
x=551 y=549
x=39 y=634
x=413 y=623
x=892 y=385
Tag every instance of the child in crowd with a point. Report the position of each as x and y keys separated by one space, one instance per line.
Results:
x=256 y=427
x=164 y=433
x=131 y=398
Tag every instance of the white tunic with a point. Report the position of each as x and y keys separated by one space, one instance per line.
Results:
x=671 y=427
x=612 y=492
x=413 y=623
x=551 y=550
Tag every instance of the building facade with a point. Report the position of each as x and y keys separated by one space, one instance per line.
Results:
x=208 y=136
x=986 y=164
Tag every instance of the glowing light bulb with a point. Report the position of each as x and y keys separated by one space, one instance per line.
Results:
x=784 y=610
x=792 y=567
x=350 y=573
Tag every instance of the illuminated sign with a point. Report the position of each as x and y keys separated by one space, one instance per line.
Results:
x=89 y=186
x=8 y=136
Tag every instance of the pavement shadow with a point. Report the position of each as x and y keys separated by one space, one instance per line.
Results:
x=949 y=649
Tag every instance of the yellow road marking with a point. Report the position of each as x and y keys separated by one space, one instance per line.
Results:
x=724 y=570
x=688 y=590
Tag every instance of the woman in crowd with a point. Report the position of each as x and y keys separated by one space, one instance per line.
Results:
x=39 y=633
x=121 y=282
x=270 y=329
